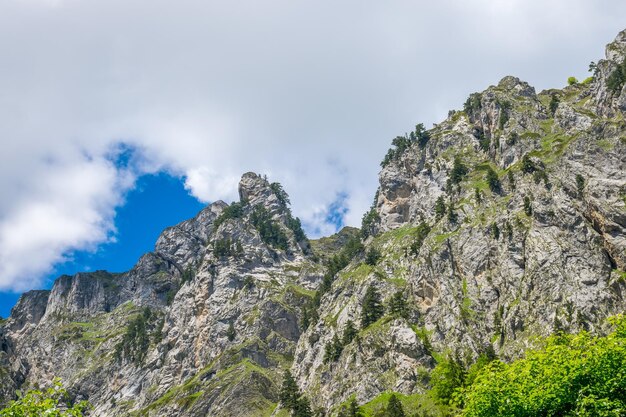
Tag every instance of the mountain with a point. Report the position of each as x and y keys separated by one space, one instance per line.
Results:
x=504 y=222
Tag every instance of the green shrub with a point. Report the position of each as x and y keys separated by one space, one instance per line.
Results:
x=398 y=306
x=580 y=183
x=440 y=207
x=234 y=211
x=369 y=223
x=420 y=235
x=372 y=256
x=459 y=171
x=473 y=103
x=446 y=378
x=554 y=104
x=492 y=180
x=135 y=342
x=528 y=208
x=570 y=375
x=53 y=402
x=528 y=166
x=616 y=79
x=280 y=193
x=572 y=81
x=270 y=232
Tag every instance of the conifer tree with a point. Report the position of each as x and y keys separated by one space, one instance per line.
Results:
x=289 y=391
x=349 y=333
x=230 y=333
x=394 y=407
x=440 y=207
x=371 y=308
x=398 y=306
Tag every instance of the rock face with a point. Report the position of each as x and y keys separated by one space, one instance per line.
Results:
x=506 y=222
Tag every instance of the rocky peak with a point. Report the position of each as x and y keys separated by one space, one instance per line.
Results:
x=254 y=188
x=516 y=87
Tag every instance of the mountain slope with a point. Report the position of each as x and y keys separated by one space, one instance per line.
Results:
x=504 y=222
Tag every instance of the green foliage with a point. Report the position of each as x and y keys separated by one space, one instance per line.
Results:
x=446 y=378
x=484 y=142
x=420 y=235
x=492 y=180
x=394 y=407
x=459 y=171
x=528 y=207
x=295 y=226
x=452 y=216
x=398 y=306
x=528 y=166
x=440 y=207
x=570 y=375
x=234 y=211
x=617 y=78
x=280 y=193
x=505 y=107
x=370 y=220
x=372 y=256
x=401 y=143
x=226 y=247
x=230 y=332
x=511 y=179
x=572 y=81
x=473 y=103
x=53 y=402
x=580 y=184
x=371 y=307
x=349 y=333
x=539 y=176
x=135 y=342
x=495 y=231
x=478 y=195
x=271 y=233
x=421 y=135
x=292 y=399
x=289 y=391
x=350 y=410
x=333 y=349
x=554 y=104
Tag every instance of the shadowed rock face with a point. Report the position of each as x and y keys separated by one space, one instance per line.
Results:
x=206 y=323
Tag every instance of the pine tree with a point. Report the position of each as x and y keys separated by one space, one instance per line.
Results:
x=349 y=333
x=371 y=308
x=398 y=306
x=440 y=207
x=230 y=333
x=289 y=392
x=394 y=407
x=302 y=408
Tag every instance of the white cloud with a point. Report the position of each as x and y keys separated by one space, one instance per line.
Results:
x=310 y=93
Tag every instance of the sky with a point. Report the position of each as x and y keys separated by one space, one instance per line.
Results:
x=119 y=118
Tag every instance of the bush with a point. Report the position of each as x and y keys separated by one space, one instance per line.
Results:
x=53 y=402
x=440 y=207
x=492 y=180
x=422 y=232
x=369 y=223
x=280 y=193
x=528 y=166
x=554 y=104
x=234 y=211
x=446 y=378
x=372 y=256
x=135 y=342
x=459 y=171
x=580 y=183
x=616 y=79
x=528 y=208
x=570 y=375
x=473 y=103
x=572 y=81
x=271 y=233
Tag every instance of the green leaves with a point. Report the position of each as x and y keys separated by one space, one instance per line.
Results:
x=572 y=375
x=53 y=402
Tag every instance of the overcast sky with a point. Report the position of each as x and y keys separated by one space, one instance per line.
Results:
x=310 y=93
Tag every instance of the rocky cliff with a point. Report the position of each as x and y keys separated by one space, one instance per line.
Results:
x=503 y=222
